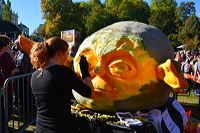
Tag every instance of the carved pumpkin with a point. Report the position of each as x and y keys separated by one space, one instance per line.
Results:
x=130 y=67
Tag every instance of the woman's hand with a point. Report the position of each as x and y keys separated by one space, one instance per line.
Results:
x=84 y=67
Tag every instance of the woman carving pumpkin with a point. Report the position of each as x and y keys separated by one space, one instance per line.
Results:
x=52 y=85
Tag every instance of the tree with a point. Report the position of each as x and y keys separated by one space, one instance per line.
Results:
x=52 y=8
x=112 y=7
x=59 y=15
x=124 y=10
x=185 y=10
x=82 y=11
x=7 y=11
x=35 y=38
x=64 y=15
x=95 y=2
x=190 y=34
x=163 y=16
x=112 y=3
x=163 y=4
x=42 y=32
x=52 y=28
x=163 y=20
x=140 y=11
x=97 y=19
x=39 y=32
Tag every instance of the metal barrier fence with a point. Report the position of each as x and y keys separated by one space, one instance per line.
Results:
x=18 y=109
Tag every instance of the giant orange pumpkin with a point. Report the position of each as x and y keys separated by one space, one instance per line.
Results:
x=131 y=68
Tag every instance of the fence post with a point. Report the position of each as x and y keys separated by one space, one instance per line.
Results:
x=199 y=101
x=15 y=110
x=1 y=112
x=5 y=105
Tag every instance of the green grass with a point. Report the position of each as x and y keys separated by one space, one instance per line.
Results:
x=192 y=102
x=186 y=99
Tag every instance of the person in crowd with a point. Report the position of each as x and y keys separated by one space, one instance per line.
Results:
x=7 y=67
x=194 y=54
x=178 y=57
x=72 y=53
x=197 y=75
x=52 y=85
x=186 y=68
x=188 y=55
x=194 y=59
x=24 y=65
x=22 y=59
x=197 y=68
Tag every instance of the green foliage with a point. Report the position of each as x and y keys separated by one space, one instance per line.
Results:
x=52 y=29
x=7 y=12
x=95 y=2
x=185 y=10
x=124 y=10
x=163 y=4
x=112 y=3
x=182 y=12
x=112 y=7
x=88 y=17
x=53 y=8
x=163 y=16
x=190 y=34
x=97 y=19
x=35 y=38
x=164 y=20
x=60 y=15
x=139 y=11
x=39 y=32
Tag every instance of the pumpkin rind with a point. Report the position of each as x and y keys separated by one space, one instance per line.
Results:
x=123 y=67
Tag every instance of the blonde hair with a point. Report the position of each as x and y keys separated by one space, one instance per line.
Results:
x=39 y=55
x=41 y=52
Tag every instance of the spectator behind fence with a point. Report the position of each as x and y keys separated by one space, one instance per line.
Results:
x=22 y=59
x=7 y=68
x=186 y=68
x=52 y=85
x=7 y=65
x=24 y=65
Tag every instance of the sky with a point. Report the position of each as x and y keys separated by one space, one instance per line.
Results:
x=30 y=14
